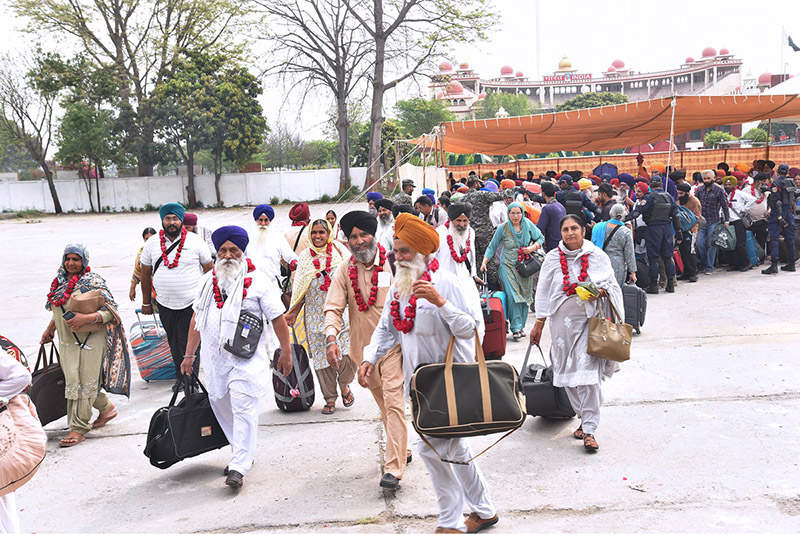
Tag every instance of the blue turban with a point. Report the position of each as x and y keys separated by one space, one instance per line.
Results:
x=627 y=179
x=78 y=249
x=374 y=196
x=264 y=209
x=172 y=208
x=236 y=235
x=484 y=189
x=491 y=186
x=428 y=191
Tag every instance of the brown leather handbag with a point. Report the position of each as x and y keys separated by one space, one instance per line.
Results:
x=465 y=399
x=87 y=303
x=609 y=338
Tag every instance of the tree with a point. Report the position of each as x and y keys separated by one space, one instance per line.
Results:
x=389 y=133
x=237 y=126
x=319 y=153
x=14 y=157
x=406 y=35
x=515 y=104
x=281 y=148
x=26 y=113
x=756 y=135
x=592 y=100
x=716 y=136
x=419 y=116
x=317 y=41
x=139 y=41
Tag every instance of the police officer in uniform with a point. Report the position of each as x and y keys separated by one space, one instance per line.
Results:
x=781 y=219
x=661 y=215
x=574 y=201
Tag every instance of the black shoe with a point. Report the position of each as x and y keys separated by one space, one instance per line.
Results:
x=744 y=268
x=652 y=289
x=683 y=277
x=225 y=471
x=771 y=270
x=732 y=268
x=235 y=480
x=388 y=481
x=670 y=287
x=693 y=279
x=409 y=458
x=788 y=267
x=177 y=386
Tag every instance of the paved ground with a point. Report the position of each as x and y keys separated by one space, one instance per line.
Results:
x=697 y=431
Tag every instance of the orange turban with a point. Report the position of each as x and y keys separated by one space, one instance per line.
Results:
x=743 y=167
x=720 y=173
x=507 y=183
x=416 y=233
x=658 y=167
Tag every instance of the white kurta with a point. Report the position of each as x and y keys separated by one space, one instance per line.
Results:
x=226 y=373
x=459 y=269
x=385 y=234
x=267 y=257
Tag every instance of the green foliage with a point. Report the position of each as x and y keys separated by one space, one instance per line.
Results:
x=86 y=134
x=274 y=201
x=419 y=116
x=716 y=136
x=14 y=157
x=359 y=151
x=325 y=198
x=514 y=104
x=592 y=100
x=756 y=135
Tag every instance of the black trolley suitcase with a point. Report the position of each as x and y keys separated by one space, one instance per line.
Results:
x=542 y=398
x=294 y=392
x=635 y=301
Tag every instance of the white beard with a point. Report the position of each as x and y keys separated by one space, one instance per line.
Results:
x=228 y=272
x=408 y=272
x=387 y=222
x=459 y=238
x=259 y=239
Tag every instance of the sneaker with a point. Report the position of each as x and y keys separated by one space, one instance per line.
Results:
x=708 y=271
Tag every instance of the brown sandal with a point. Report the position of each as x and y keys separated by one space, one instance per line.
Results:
x=72 y=439
x=329 y=408
x=349 y=399
x=578 y=433
x=104 y=418
x=590 y=443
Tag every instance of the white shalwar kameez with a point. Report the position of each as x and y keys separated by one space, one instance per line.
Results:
x=455 y=485
x=234 y=384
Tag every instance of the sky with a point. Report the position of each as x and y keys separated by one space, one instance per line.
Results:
x=647 y=36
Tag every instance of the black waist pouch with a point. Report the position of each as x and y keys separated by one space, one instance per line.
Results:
x=248 y=333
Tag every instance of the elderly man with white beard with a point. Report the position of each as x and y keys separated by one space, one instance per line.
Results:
x=425 y=306
x=385 y=233
x=267 y=248
x=232 y=299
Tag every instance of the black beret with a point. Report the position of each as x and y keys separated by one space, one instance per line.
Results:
x=359 y=219
x=383 y=203
x=455 y=210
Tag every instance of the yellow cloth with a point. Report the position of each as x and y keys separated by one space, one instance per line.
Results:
x=732 y=179
x=584 y=183
x=416 y=233
x=306 y=271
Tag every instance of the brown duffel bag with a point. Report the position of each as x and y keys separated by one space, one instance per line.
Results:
x=465 y=399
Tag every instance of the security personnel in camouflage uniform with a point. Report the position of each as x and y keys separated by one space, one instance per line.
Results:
x=661 y=215
x=781 y=219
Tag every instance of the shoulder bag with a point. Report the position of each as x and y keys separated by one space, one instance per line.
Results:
x=747 y=221
x=24 y=443
x=609 y=338
x=464 y=399
x=48 y=386
x=528 y=266
x=608 y=239
x=88 y=303
x=161 y=258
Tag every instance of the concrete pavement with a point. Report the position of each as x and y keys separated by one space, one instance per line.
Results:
x=696 y=432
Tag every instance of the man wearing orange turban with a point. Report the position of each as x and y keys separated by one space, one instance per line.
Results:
x=658 y=167
x=427 y=307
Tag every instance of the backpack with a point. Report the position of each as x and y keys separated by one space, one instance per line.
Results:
x=662 y=206
x=573 y=202
x=687 y=217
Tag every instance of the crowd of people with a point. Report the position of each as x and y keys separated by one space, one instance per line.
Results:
x=381 y=291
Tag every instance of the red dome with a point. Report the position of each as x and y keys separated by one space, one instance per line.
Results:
x=765 y=78
x=611 y=69
x=482 y=96
x=445 y=66
x=519 y=74
x=440 y=94
x=724 y=52
x=455 y=88
x=506 y=70
x=709 y=52
x=690 y=59
x=618 y=64
x=464 y=66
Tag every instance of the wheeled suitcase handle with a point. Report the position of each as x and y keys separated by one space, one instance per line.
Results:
x=156 y=322
x=528 y=354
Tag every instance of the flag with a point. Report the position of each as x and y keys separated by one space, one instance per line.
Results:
x=792 y=45
x=786 y=39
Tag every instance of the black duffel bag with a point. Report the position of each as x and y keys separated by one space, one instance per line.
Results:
x=48 y=385
x=183 y=430
x=541 y=397
x=465 y=399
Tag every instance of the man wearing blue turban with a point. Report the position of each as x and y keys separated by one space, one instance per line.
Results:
x=267 y=247
x=373 y=196
x=173 y=262
x=231 y=303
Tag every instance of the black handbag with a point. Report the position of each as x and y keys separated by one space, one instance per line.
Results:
x=184 y=429
x=529 y=266
x=541 y=397
x=465 y=399
x=48 y=386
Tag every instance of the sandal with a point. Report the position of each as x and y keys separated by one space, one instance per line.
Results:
x=329 y=408
x=348 y=399
x=590 y=443
x=71 y=439
x=104 y=418
x=578 y=433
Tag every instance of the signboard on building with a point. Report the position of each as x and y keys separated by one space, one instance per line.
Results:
x=568 y=77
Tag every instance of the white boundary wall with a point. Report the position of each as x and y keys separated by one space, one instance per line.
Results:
x=123 y=193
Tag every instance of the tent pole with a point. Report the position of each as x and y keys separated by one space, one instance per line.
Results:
x=769 y=135
x=673 y=104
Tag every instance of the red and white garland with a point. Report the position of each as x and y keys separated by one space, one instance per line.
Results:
x=373 y=292
x=569 y=289
x=177 y=253
x=753 y=192
x=458 y=258
x=247 y=282
x=317 y=264
x=68 y=292
x=404 y=325
x=521 y=255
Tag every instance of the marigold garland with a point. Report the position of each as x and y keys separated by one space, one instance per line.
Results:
x=164 y=257
x=373 y=292
x=247 y=282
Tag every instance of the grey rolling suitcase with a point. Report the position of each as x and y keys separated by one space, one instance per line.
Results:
x=635 y=301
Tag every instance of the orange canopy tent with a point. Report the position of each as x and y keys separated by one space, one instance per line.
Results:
x=607 y=127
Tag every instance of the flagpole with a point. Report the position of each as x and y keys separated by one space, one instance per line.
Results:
x=783 y=45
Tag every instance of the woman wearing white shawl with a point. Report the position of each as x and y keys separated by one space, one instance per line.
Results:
x=580 y=374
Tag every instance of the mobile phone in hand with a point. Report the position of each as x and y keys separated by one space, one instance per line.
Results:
x=68 y=315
